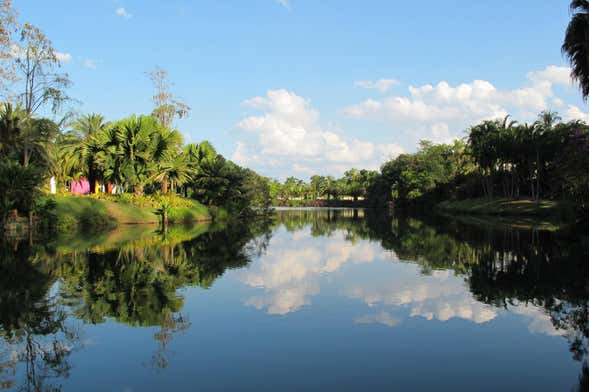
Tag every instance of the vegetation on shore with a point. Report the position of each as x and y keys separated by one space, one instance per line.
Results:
x=139 y=166
x=510 y=207
x=505 y=162
x=91 y=213
x=500 y=167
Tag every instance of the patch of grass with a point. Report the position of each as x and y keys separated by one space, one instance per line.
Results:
x=510 y=207
x=90 y=213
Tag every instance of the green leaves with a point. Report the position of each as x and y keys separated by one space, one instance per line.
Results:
x=576 y=45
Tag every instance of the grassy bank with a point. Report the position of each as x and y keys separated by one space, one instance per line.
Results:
x=512 y=208
x=89 y=213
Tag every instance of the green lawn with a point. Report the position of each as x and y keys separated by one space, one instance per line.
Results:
x=74 y=212
x=509 y=207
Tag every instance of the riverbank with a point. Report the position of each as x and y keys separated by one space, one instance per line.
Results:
x=90 y=213
x=322 y=203
x=547 y=209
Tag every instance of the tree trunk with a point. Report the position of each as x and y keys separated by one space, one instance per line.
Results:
x=538 y=169
x=165 y=185
x=26 y=157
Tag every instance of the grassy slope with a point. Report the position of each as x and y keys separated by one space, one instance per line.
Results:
x=508 y=207
x=73 y=210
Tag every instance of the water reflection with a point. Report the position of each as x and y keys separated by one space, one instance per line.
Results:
x=389 y=270
x=290 y=271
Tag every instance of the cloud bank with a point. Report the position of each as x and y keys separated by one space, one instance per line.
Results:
x=287 y=137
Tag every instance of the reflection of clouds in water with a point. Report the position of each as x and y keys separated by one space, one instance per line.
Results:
x=290 y=272
x=378 y=318
x=291 y=269
x=440 y=295
x=286 y=300
x=538 y=321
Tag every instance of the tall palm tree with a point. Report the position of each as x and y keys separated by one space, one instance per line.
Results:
x=542 y=129
x=576 y=44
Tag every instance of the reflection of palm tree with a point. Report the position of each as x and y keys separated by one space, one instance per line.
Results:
x=32 y=325
x=172 y=324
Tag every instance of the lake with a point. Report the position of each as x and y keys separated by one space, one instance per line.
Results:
x=316 y=299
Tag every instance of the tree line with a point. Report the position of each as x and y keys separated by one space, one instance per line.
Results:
x=498 y=158
x=545 y=159
x=353 y=186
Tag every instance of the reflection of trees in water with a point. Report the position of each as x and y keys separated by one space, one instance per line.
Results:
x=502 y=265
x=137 y=283
x=134 y=284
x=35 y=337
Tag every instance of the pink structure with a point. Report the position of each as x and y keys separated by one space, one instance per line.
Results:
x=80 y=187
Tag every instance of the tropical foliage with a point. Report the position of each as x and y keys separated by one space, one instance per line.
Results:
x=576 y=45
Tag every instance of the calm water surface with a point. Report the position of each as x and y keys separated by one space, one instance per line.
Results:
x=314 y=300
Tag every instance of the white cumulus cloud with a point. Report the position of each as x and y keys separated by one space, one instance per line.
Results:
x=441 y=112
x=573 y=112
x=287 y=135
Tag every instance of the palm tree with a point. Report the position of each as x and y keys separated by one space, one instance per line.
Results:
x=80 y=147
x=136 y=148
x=109 y=157
x=173 y=170
x=576 y=44
x=11 y=127
x=542 y=128
x=37 y=139
x=197 y=155
x=166 y=148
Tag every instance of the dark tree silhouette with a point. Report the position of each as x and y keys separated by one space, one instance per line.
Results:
x=576 y=44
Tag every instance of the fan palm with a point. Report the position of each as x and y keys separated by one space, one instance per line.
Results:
x=80 y=147
x=135 y=136
x=576 y=44
x=11 y=127
x=166 y=148
x=173 y=169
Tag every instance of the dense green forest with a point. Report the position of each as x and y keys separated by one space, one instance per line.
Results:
x=546 y=159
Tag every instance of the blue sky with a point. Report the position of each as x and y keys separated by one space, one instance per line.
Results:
x=303 y=86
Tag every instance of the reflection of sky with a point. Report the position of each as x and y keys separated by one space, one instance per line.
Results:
x=297 y=265
x=291 y=270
